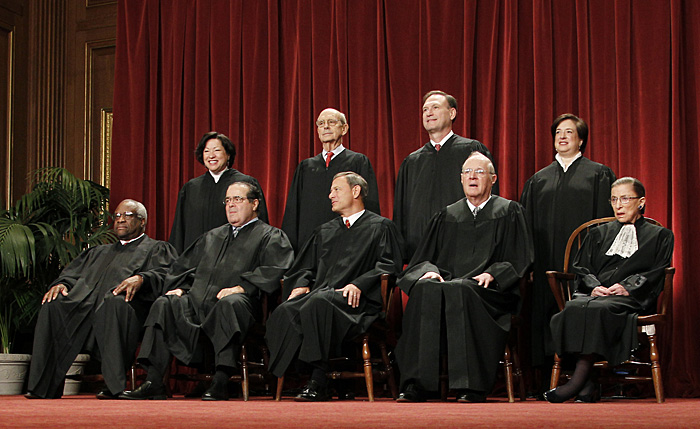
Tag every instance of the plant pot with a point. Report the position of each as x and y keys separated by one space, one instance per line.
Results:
x=13 y=369
x=72 y=386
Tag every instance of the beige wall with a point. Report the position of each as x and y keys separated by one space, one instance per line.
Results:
x=56 y=87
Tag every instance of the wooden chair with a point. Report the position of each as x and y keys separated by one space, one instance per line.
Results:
x=511 y=358
x=561 y=284
x=379 y=334
x=249 y=368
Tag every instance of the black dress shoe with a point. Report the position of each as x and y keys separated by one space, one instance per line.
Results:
x=30 y=395
x=471 y=396
x=106 y=394
x=217 y=392
x=313 y=392
x=147 y=390
x=411 y=394
x=551 y=396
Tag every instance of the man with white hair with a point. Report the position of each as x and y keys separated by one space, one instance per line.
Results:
x=463 y=287
x=99 y=304
x=308 y=205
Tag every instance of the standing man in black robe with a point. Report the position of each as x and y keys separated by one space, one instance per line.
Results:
x=214 y=288
x=334 y=285
x=425 y=183
x=462 y=287
x=99 y=304
x=307 y=202
x=198 y=209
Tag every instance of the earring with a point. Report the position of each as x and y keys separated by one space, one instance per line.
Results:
x=641 y=207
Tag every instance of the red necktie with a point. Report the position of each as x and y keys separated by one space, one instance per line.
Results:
x=347 y=223
x=329 y=155
x=437 y=147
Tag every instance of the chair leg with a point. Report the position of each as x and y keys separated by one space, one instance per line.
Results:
x=366 y=357
x=389 y=368
x=508 y=372
x=245 y=387
x=280 y=385
x=133 y=376
x=656 y=369
x=518 y=373
x=556 y=370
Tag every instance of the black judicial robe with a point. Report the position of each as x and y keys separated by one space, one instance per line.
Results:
x=255 y=259
x=73 y=323
x=427 y=182
x=315 y=324
x=556 y=203
x=200 y=206
x=477 y=320
x=308 y=205
x=607 y=325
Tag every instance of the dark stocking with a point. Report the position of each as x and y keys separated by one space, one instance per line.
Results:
x=582 y=373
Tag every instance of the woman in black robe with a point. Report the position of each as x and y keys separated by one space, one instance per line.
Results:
x=619 y=274
x=199 y=201
x=557 y=199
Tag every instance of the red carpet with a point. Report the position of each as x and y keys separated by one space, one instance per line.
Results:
x=86 y=411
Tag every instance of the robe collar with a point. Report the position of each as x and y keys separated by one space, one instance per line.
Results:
x=560 y=160
x=125 y=242
x=442 y=142
x=353 y=217
x=217 y=176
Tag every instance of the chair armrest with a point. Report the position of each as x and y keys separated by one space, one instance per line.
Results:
x=557 y=283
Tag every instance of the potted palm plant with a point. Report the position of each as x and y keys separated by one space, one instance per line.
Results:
x=47 y=228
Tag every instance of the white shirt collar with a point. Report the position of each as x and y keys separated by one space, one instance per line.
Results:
x=217 y=176
x=245 y=224
x=442 y=142
x=481 y=206
x=335 y=151
x=353 y=217
x=560 y=160
x=123 y=242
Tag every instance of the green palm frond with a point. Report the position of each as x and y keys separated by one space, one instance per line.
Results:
x=47 y=228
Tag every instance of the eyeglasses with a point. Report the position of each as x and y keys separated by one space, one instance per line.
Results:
x=478 y=171
x=126 y=215
x=330 y=122
x=623 y=200
x=236 y=200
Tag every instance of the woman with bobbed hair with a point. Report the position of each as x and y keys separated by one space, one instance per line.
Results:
x=557 y=199
x=199 y=203
x=619 y=274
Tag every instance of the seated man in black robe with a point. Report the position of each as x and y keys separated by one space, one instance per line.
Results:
x=334 y=285
x=307 y=206
x=99 y=304
x=214 y=288
x=462 y=287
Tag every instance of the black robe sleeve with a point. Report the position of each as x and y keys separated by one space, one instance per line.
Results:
x=642 y=274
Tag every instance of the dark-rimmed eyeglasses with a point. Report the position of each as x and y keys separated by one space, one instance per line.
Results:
x=234 y=200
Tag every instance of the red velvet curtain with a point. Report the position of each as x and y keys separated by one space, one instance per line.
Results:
x=260 y=71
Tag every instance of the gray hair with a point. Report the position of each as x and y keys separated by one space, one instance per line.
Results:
x=476 y=154
x=353 y=180
x=140 y=211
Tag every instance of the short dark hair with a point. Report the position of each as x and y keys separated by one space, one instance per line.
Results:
x=636 y=185
x=225 y=142
x=451 y=101
x=253 y=193
x=581 y=127
x=353 y=180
